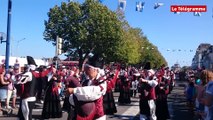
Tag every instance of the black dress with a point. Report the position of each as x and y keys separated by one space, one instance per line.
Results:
x=125 y=93
x=108 y=100
x=109 y=103
x=162 y=111
x=52 y=106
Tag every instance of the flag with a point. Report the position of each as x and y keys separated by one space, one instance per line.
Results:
x=157 y=5
x=122 y=4
x=197 y=14
x=212 y=12
x=140 y=6
x=177 y=13
x=101 y=1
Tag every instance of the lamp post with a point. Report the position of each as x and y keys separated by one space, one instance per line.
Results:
x=18 y=45
x=8 y=35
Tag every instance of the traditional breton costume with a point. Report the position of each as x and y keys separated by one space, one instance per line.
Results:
x=28 y=90
x=88 y=99
x=28 y=98
x=52 y=105
x=134 y=84
x=109 y=102
x=162 y=90
x=147 y=96
x=125 y=95
x=79 y=109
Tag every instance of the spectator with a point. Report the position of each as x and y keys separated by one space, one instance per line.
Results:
x=4 y=82
x=12 y=92
x=190 y=92
x=207 y=76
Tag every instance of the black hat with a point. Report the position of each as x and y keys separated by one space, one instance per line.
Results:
x=91 y=61
x=147 y=66
x=94 y=61
x=31 y=61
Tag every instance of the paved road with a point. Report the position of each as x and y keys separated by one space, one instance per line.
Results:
x=176 y=102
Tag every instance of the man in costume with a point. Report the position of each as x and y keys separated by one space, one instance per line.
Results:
x=28 y=83
x=94 y=86
x=147 y=94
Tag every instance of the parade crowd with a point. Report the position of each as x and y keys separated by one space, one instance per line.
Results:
x=87 y=94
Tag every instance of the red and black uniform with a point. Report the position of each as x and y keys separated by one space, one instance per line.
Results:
x=162 y=90
x=109 y=102
x=147 y=98
x=52 y=107
x=89 y=110
x=125 y=83
x=28 y=90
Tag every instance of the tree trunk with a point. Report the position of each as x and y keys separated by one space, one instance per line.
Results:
x=80 y=61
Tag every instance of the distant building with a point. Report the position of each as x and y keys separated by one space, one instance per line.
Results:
x=176 y=67
x=203 y=57
x=23 y=61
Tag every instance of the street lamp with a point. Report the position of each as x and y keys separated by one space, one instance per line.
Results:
x=2 y=37
x=17 y=47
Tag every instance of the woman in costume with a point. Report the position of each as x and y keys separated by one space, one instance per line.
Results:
x=109 y=102
x=52 y=106
x=124 y=97
x=162 y=90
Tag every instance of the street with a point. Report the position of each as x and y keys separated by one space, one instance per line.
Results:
x=176 y=102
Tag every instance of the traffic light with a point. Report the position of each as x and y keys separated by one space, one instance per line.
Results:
x=58 y=45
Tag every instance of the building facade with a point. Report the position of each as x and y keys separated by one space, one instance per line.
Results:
x=203 y=57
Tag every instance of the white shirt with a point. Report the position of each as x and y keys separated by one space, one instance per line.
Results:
x=91 y=93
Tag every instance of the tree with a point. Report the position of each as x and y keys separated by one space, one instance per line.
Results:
x=85 y=28
x=151 y=54
x=92 y=28
x=128 y=50
x=135 y=47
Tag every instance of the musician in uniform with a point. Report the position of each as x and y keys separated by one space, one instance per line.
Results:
x=147 y=94
x=28 y=89
x=92 y=91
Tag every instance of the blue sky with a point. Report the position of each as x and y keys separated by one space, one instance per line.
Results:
x=163 y=28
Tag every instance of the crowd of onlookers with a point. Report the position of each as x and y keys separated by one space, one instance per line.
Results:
x=199 y=93
x=7 y=87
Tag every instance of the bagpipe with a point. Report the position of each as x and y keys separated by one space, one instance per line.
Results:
x=104 y=77
x=22 y=78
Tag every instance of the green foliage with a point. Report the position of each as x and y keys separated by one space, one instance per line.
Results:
x=151 y=54
x=92 y=28
x=85 y=28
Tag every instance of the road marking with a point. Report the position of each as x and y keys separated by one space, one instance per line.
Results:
x=133 y=110
x=37 y=110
